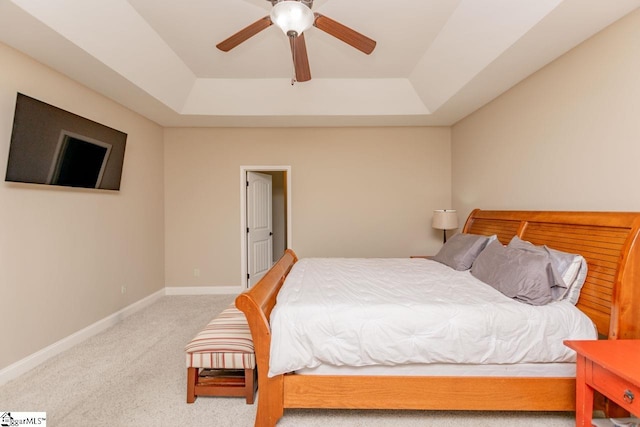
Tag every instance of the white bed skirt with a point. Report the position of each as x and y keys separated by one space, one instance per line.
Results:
x=556 y=370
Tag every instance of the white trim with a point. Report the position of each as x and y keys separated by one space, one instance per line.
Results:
x=26 y=364
x=243 y=209
x=203 y=290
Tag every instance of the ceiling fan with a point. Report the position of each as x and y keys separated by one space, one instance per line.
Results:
x=294 y=17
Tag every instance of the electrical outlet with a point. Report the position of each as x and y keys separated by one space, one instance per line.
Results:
x=123 y=290
x=196 y=272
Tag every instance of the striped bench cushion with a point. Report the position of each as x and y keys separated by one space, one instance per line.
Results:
x=225 y=343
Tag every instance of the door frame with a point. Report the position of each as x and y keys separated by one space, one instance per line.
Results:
x=243 y=213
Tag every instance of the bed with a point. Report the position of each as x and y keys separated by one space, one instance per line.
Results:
x=608 y=241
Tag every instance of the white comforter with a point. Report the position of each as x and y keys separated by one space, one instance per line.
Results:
x=361 y=312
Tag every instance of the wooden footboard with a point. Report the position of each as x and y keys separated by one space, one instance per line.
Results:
x=608 y=241
x=257 y=303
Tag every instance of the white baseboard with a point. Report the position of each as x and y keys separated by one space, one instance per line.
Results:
x=203 y=290
x=21 y=366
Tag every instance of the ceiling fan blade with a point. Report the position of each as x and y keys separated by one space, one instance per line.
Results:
x=244 y=34
x=344 y=33
x=300 y=58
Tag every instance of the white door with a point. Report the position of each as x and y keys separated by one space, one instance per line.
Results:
x=259 y=226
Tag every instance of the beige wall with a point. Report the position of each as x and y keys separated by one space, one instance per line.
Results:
x=357 y=192
x=566 y=138
x=65 y=253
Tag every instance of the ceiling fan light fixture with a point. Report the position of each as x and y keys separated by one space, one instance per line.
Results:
x=292 y=16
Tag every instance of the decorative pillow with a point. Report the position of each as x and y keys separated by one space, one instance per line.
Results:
x=571 y=267
x=461 y=250
x=525 y=276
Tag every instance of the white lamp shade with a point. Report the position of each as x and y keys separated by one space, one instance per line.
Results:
x=292 y=15
x=446 y=219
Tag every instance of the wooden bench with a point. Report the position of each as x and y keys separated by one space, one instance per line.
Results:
x=221 y=360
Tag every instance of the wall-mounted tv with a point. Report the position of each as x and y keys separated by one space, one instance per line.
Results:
x=55 y=147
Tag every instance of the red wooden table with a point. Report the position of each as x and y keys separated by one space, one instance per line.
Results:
x=611 y=367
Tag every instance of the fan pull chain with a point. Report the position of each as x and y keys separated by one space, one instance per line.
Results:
x=291 y=35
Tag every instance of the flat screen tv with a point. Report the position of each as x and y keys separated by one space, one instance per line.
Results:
x=55 y=147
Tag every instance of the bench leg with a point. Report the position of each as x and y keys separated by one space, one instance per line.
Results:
x=250 y=385
x=192 y=380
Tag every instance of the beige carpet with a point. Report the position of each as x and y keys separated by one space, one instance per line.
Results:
x=134 y=374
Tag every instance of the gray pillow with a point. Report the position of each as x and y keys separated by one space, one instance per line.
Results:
x=572 y=268
x=522 y=275
x=461 y=250
x=559 y=264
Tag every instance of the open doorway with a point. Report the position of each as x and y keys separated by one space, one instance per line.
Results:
x=279 y=212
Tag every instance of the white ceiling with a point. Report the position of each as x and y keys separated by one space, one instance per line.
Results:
x=435 y=61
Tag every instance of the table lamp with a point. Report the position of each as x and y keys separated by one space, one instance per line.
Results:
x=445 y=219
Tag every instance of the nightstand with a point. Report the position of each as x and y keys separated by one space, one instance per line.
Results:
x=611 y=367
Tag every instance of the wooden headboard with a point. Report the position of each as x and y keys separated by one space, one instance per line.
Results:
x=607 y=240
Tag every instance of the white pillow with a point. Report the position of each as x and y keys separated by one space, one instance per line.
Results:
x=579 y=274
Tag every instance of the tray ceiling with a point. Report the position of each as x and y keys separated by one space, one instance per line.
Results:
x=435 y=62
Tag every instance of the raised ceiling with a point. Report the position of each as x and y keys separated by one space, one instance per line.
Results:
x=436 y=61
